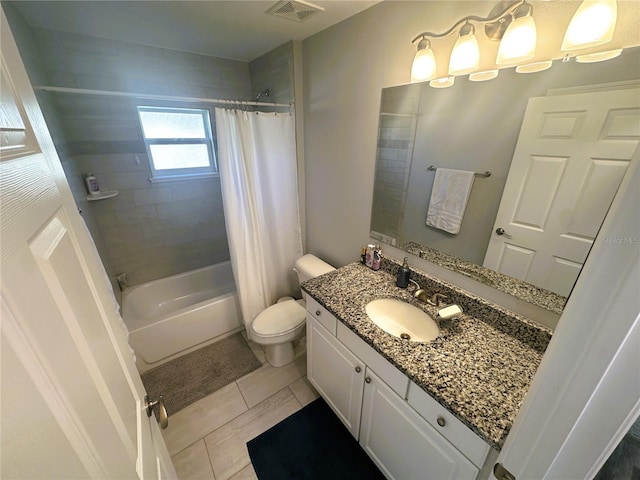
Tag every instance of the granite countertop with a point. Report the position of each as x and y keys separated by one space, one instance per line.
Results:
x=479 y=370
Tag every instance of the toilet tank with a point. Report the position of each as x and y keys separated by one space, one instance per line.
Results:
x=310 y=266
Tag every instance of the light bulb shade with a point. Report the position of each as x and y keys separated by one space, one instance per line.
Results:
x=519 y=41
x=592 y=24
x=465 y=56
x=444 y=82
x=424 y=65
x=483 y=76
x=598 y=56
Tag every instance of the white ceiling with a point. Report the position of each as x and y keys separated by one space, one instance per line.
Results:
x=239 y=29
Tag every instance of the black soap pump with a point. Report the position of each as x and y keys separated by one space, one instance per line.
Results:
x=402 y=280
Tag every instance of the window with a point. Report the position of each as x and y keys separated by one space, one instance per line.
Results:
x=179 y=142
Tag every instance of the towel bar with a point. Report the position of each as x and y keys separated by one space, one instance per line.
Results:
x=485 y=174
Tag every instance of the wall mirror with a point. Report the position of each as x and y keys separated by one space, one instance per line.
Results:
x=475 y=126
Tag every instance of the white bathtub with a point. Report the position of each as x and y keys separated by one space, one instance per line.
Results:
x=170 y=316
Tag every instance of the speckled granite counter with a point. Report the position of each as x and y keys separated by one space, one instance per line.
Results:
x=529 y=293
x=480 y=370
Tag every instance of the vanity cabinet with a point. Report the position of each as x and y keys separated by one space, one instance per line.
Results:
x=369 y=395
x=336 y=373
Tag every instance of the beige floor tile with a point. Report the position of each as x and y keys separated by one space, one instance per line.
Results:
x=193 y=463
x=304 y=391
x=247 y=473
x=227 y=445
x=264 y=382
x=202 y=417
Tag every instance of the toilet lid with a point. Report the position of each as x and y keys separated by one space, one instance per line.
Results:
x=279 y=318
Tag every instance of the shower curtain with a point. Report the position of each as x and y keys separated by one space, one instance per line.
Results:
x=258 y=175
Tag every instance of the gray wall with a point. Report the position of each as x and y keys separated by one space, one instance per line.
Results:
x=150 y=230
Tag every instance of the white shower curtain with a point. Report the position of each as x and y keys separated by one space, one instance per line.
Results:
x=258 y=174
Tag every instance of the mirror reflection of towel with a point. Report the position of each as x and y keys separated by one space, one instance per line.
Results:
x=449 y=196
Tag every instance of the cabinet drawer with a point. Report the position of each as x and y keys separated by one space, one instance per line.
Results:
x=470 y=444
x=326 y=319
x=383 y=368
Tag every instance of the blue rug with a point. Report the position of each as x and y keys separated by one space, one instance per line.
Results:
x=311 y=444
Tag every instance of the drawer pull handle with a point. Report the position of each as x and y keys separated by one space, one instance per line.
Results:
x=367 y=379
x=318 y=313
x=358 y=369
x=441 y=421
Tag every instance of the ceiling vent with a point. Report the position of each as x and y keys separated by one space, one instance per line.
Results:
x=295 y=10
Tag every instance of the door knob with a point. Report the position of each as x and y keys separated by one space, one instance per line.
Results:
x=500 y=231
x=149 y=406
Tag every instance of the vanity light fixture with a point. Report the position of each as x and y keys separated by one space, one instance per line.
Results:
x=465 y=56
x=514 y=23
x=592 y=24
x=519 y=41
x=514 y=27
x=424 y=63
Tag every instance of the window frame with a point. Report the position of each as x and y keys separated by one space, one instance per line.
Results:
x=168 y=174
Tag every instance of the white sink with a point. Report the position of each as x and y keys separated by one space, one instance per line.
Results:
x=402 y=320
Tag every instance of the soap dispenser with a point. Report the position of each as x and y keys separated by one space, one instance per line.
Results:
x=402 y=280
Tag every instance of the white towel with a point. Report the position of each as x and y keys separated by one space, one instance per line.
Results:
x=449 y=196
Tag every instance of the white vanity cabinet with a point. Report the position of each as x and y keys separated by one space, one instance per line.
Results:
x=402 y=443
x=336 y=373
x=369 y=395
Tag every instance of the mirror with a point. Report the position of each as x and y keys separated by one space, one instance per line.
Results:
x=470 y=126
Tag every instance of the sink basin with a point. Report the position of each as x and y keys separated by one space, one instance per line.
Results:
x=402 y=320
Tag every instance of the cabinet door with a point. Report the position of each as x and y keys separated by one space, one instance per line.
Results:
x=336 y=373
x=402 y=443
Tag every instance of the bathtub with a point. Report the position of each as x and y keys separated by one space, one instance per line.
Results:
x=170 y=316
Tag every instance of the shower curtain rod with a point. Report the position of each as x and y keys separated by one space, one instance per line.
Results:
x=149 y=96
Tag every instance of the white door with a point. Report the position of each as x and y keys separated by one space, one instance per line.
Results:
x=72 y=400
x=571 y=155
x=586 y=392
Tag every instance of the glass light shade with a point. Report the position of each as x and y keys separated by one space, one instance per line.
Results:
x=424 y=65
x=483 y=76
x=443 y=82
x=519 y=41
x=598 y=56
x=534 y=67
x=592 y=24
x=465 y=56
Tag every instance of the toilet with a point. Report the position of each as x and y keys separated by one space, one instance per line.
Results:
x=278 y=326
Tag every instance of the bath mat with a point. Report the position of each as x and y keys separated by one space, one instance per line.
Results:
x=193 y=376
x=311 y=444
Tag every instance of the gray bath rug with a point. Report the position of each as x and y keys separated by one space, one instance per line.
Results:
x=197 y=374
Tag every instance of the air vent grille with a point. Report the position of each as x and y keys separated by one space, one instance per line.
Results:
x=295 y=10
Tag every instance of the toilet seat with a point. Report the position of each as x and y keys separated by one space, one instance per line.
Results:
x=279 y=319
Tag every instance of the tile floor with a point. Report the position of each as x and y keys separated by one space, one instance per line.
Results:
x=207 y=440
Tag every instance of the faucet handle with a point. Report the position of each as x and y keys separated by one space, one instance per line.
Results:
x=421 y=295
x=435 y=299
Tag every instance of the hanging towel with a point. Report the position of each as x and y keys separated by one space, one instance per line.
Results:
x=449 y=196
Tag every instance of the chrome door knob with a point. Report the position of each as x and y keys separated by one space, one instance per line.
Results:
x=500 y=231
x=162 y=411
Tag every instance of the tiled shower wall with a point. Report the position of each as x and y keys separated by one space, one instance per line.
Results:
x=396 y=133
x=150 y=230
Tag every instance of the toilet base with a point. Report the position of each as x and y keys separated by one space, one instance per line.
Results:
x=280 y=354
